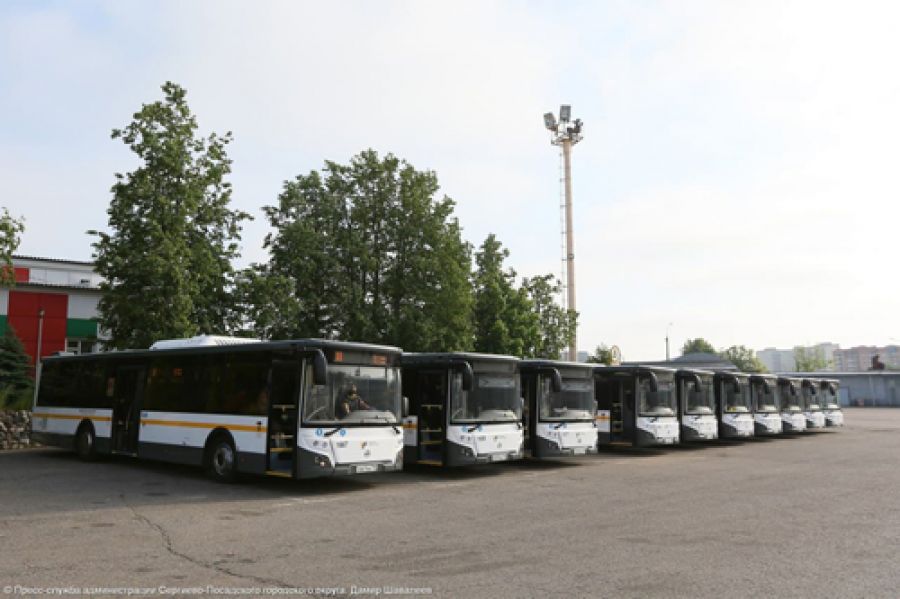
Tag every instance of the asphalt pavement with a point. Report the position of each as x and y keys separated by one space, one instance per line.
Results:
x=816 y=515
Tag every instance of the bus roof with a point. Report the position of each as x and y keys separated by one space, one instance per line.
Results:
x=292 y=344
x=762 y=376
x=632 y=369
x=689 y=372
x=536 y=363
x=726 y=375
x=435 y=358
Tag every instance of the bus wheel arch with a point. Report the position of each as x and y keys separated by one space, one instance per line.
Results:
x=220 y=456
x=85 y=442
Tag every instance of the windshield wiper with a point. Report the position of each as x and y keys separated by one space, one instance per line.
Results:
x=329 y=433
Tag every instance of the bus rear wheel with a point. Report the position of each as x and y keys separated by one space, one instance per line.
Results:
x=221 y=463
x=86 y=443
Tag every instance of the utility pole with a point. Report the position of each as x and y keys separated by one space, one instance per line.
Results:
x=566 y=134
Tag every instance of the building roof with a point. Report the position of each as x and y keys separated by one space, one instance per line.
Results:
x=702 y=361
x=52 y=260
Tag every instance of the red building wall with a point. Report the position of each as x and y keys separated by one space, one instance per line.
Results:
x=24 y=308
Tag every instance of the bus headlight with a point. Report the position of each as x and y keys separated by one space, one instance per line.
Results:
x=323 y=461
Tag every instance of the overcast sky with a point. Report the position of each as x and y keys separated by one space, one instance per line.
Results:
x=738 y=176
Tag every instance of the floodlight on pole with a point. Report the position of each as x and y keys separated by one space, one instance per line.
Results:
x=550 y=121
x=566 y=135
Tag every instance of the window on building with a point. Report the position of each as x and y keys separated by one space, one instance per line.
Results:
x=81 y=346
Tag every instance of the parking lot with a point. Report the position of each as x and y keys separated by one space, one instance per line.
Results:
x=816 y=515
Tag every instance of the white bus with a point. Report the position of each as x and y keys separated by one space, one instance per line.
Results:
x=790 y=402
x=733 y=405
x=296 y=409
x=829 y=388
x=464 y=408
x=812 y=404
x=636 y=405
x=764 y=394
x=560 y=408
x=696 y=405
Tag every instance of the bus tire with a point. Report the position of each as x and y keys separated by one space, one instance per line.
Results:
x=221 y=458
x=86 y=442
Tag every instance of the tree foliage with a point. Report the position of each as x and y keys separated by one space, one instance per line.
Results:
x=698 y=345
x=364 y=251
x=166 y=261
x=602 y=355
x=744 y=358
x=521 y=321
x=11 y=230
x=810 y=359
x=555 y=325
x=504 y=320
x=15 y=383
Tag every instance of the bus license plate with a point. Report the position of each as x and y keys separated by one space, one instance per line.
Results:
x=363 y=468
x=580 y=450
x=498 y=457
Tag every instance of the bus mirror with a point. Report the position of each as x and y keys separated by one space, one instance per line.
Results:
x=793 y=388
x=555 y=380
x=320 y=368
x=654 y=382
x=467 y=374
x=766 y=387
x=405 y=406
x=832 y=389
x=737 y=386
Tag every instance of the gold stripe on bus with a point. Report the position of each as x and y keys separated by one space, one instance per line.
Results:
x=73 y=417
x=232 y=427
x=602 y=417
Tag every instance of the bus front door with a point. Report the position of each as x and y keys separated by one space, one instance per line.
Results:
x=126 y=417
x=432 y=431
x=284 y=396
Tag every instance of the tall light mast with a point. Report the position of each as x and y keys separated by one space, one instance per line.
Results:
x=566 y=133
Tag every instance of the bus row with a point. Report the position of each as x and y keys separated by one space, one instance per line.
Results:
x=309 y=408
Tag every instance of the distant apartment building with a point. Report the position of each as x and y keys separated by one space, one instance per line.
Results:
x=777 y=360
x=859 y=359
x=783 y=360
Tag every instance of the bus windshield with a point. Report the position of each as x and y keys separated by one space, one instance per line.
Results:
x=698 y=402
x=765 y=402
x=354 y=395
x=657 y=403
x=790 y=401
x=574 y=402
x=830 y=400
x=811 y=398
x=494 y=397
x=737 y=400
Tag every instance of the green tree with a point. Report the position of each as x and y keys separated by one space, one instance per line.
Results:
x=601 y=355
x=555 y=325
x=698 y=345
x=504 y=317
x=810 y=359
x=11 y=230
x=744 y=358
x=15 y=383
x=166 y=261
x=364 y=251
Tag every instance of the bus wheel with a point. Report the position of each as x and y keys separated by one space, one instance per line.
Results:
x=85 y=443
x=221 y=465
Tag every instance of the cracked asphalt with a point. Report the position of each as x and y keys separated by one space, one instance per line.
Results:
x=816 y=515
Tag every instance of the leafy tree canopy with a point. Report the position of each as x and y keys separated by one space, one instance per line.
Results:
x=744 y=358
x=365 y=250
x=11 y=230
x=166 y=260
x=15 y=383
x=698 y=345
